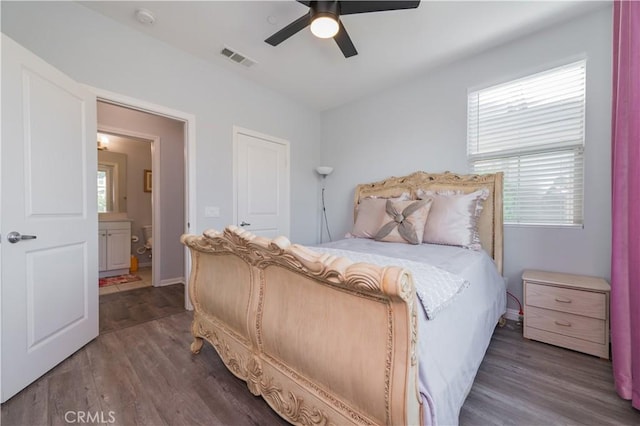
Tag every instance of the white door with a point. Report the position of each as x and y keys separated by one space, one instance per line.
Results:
x=262 y=183
x=49 y=179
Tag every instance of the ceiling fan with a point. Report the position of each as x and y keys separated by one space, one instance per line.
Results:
x=324 y=18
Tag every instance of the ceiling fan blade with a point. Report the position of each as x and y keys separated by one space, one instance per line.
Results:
x=289 y=30
x=351 y=7
x=344 y=42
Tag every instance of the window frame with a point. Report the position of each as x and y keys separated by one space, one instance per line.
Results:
x=575 y=218
x=110 y=171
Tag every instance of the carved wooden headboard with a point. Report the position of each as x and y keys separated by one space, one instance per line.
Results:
x=490 y=225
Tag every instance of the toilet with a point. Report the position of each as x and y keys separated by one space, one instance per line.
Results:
x=147 y=233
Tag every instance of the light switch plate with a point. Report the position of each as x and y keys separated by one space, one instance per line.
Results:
x=210 y=211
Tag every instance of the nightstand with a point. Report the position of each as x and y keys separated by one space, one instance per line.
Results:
x=571 y=311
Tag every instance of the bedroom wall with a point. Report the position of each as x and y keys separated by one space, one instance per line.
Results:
x=421 y=125
x=102 y=53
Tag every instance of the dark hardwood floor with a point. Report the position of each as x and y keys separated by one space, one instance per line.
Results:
x=523 y=382
x=140 y=372
x=127 y=308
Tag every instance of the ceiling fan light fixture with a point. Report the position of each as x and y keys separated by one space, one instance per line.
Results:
x=324 y=25
x=324 y=19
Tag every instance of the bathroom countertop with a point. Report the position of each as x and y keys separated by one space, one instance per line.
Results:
x=113 y=217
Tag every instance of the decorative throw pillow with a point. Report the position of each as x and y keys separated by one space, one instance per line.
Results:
x=453 y=219
x=370 y=214
x=404 y=221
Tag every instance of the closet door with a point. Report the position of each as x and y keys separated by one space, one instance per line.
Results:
x=262 y=183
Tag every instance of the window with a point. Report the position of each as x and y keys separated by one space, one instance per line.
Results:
x=105 y=188
x=532 y=129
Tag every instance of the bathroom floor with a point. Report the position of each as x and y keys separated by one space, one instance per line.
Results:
x=144 y=273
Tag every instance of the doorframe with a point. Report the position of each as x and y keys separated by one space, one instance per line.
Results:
x=156 y=214
x=189 y=159
x=241 y=130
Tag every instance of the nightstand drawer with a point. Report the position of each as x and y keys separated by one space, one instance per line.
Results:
x=589 y=304
x=585 y=328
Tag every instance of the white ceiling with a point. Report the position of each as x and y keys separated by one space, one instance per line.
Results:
x=392 y=46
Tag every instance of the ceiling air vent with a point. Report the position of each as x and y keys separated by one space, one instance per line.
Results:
x=237 y=57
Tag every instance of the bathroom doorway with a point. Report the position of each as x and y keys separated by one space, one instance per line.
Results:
x=154 y=192
x=125 y=202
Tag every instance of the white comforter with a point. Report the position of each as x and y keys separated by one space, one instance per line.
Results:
x=451 y=346
x=435 y=287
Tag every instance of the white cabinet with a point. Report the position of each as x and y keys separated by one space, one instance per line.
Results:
x=102 y=249
x=114 y=248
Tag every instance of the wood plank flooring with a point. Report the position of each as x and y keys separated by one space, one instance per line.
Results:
x=142 y=373
x=523 y=382
x=128 y=308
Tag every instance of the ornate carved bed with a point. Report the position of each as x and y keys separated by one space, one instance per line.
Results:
x=322 y=339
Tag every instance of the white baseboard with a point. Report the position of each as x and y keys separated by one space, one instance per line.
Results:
x=170 y=281
x=512 y=314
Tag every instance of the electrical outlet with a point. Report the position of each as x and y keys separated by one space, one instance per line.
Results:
x=210 y=211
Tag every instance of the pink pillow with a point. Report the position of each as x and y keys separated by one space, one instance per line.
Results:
x=369 y=215
x=453 y=219
x=404 y=221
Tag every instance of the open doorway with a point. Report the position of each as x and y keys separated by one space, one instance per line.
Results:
x=188 y=156
x=125 y=210
x=154 y=203
x=160 y=183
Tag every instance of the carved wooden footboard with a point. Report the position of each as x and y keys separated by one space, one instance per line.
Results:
x=321 y=339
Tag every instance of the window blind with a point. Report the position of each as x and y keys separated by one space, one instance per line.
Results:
x=532 y=129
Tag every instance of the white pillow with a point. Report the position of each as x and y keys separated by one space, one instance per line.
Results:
x=453 y=219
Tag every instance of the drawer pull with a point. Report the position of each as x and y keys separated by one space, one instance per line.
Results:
x=563 y=300
x=563 y=323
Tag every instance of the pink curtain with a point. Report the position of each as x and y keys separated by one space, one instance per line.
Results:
x=625 y=258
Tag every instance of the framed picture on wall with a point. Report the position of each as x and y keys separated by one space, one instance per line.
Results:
x=147 y=181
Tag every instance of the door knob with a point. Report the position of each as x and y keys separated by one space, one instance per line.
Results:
x=245 y=223
x=14 y=237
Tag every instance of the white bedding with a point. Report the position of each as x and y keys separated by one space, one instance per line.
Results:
x=451 y=346
x=435 y=287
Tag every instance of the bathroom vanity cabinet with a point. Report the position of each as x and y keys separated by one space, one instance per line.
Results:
x=114 y=248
